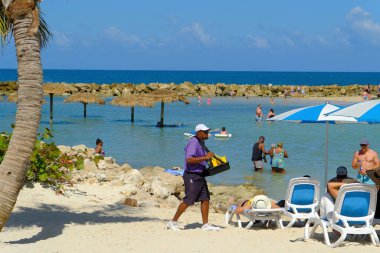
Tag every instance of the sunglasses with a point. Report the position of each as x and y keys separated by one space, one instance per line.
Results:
x=363 y=145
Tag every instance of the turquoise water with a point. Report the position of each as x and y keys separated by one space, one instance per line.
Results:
x=141 y=144
x=238 y=77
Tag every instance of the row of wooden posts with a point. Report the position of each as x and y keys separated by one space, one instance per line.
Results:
x=143 y=100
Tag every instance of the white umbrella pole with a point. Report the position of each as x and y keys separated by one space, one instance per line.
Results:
x=327 y=153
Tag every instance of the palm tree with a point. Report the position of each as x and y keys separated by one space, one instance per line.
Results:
x=22 y=19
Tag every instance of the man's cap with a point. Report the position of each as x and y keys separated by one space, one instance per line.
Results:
x=341 y=171
x=272 y=145
x=201 y=127
x=364 y=142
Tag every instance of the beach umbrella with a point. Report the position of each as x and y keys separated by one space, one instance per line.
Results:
x=315 y=114
x=85 y=98
x=56 y=89
x=132 y=101
x=364 y=112
x=165 y=96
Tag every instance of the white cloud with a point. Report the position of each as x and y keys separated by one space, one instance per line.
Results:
x=288 y=41
x=361 y=25
x=258 y=42
x=118 y=35
x=197 y=32
x=61 y=39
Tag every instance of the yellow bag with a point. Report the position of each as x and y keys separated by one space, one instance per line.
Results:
x=217 y=160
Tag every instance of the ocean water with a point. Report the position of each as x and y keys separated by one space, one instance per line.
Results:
x=229 y=77
x=141 y=144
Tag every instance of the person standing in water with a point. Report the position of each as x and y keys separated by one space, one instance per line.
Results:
x=199 y=99
x=271 y=113
x=259 y=113
x=364 y=160
x=209 y=101
x=258 y=152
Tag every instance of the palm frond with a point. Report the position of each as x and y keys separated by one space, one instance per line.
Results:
x=5 y=26
x=44 y=34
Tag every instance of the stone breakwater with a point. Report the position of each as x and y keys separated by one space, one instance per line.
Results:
x=219 y=89
x=146 y=187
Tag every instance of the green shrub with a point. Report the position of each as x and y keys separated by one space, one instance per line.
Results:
x=47 y=164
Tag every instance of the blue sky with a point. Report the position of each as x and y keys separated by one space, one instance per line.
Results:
x=270 y=35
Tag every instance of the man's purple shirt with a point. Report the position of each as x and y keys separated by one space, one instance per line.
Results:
x=194 y=149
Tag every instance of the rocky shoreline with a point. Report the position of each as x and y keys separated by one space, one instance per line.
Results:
x=146 y=187
x=219 y=89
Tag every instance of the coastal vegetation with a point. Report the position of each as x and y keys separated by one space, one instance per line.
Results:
x=47 y=163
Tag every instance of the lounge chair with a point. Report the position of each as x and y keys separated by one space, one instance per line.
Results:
x=353 y=213
x=302 y=199
x=254 y=215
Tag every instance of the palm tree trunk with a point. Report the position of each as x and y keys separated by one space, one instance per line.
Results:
x=14 y=166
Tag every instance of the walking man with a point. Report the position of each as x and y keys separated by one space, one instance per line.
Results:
x=257 y=154
x=196 y=189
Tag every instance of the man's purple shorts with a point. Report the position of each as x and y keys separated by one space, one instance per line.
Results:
x=195 y=188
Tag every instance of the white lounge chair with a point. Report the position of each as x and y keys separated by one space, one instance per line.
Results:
x=353 y=213
x=256 y=215
x=302 y=199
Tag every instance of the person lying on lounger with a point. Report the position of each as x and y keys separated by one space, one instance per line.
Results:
x=259 y=201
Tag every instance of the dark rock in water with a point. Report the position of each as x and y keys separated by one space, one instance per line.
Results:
x=130 y=202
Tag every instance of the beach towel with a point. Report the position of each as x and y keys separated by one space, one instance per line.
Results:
x=174 y=172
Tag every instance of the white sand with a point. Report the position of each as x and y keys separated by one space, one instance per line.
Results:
x=93 y=220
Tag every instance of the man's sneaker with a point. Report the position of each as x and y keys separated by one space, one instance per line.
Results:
x=209 y=227
x=173 y=225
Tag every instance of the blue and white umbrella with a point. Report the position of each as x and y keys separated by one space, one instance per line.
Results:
x=315 y=114
x=364 y=112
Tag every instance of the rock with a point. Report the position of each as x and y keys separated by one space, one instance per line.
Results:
x=89 y=165
x=175 y=183
x=109 y=160
x=126 y=167
x=160 y=189
x=64 y=149
x=134 y=178
x=102 y=165
x=101 y=177
x=129 y=190
x=90 y=152
x=90 y=175
x=79 y=148
x=147 y=187
x=130 y=202
x=108 y=163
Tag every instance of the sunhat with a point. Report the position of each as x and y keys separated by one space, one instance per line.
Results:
x=261 y=202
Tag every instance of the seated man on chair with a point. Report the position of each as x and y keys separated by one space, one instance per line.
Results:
x=333 y=186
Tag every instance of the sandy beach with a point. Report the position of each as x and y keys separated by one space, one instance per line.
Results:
x=92 y=219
